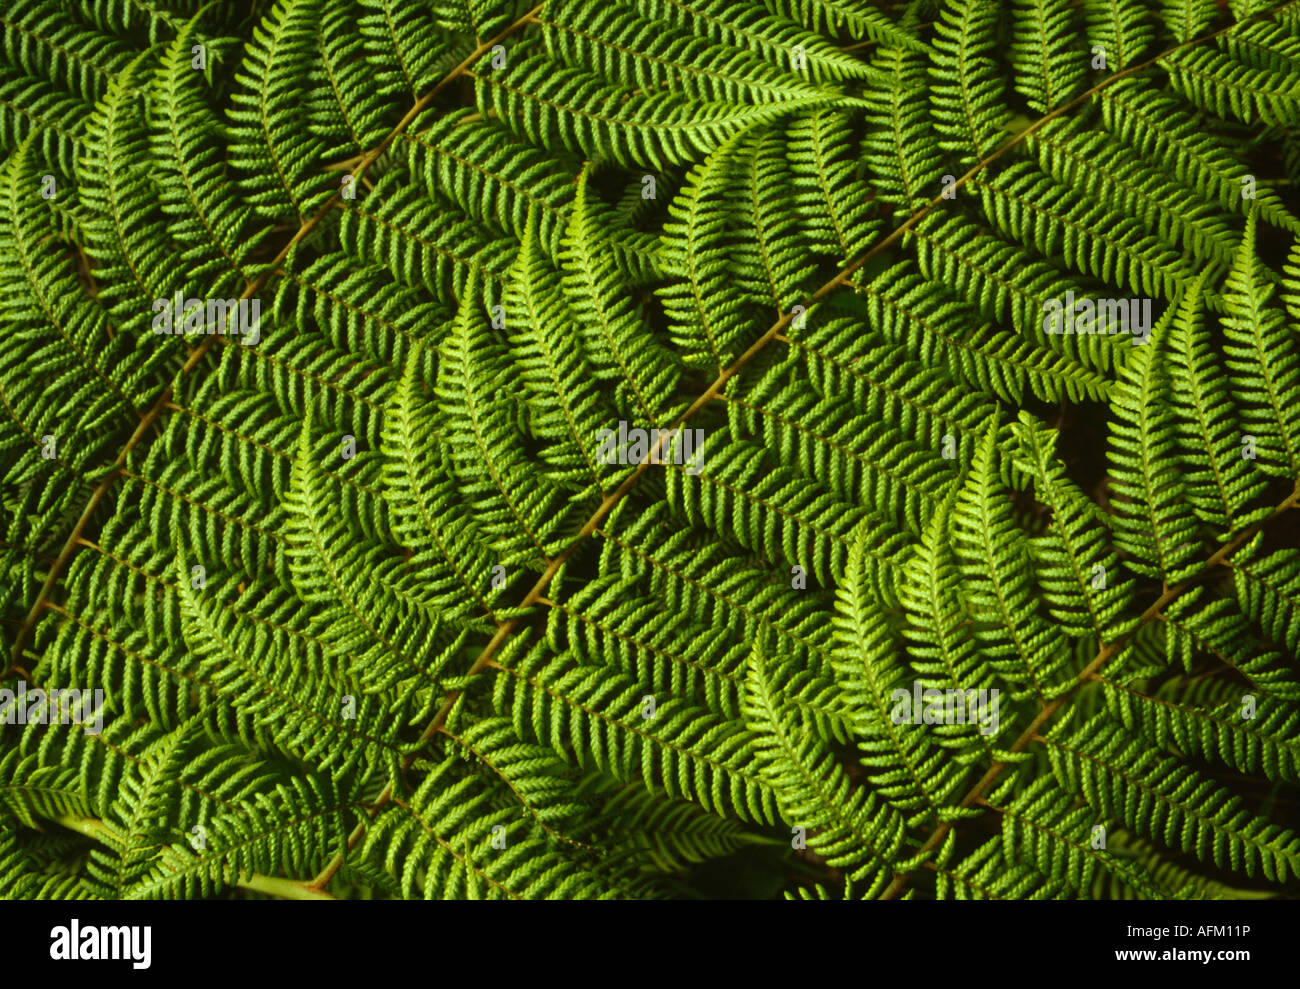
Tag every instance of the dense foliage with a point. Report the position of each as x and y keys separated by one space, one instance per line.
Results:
x=636 y=405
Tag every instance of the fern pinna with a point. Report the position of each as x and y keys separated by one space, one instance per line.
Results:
x=482 y=448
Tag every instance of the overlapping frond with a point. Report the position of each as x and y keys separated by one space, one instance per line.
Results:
x=507 y=449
